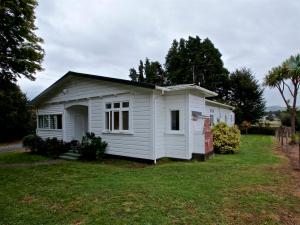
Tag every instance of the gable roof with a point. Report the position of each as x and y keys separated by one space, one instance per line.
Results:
x=84 y=75
x=68 y=75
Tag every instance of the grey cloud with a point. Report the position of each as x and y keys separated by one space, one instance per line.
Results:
x=107 y=37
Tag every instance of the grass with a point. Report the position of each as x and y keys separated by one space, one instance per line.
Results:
x=246 y=188
x=19 y=157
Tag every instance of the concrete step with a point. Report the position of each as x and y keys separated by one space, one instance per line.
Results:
x=70 y=155
x=73 y=154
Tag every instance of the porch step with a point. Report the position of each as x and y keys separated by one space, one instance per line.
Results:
x=70 y=155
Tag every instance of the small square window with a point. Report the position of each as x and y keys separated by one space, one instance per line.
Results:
x=125 y=104
x=108 y=106
x=117 y=105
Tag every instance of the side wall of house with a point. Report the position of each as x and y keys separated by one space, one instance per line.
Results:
x=138 y=142
x=176 y=142
x=196 y=137
x=220 y=114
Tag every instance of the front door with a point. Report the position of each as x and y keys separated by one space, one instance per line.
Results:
x=79 y=127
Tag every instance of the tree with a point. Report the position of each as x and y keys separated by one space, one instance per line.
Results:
x=246 y=96
x=196 y=61
x=286 y=78
x=16 y=118
x=20 y=51
x=149 y=72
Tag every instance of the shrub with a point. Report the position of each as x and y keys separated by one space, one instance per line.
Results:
x=34 y=143
x=226 y=139
x=92 y=147
x=245 y=125
x=50 y=147
x=294 y=139
x=261 y=130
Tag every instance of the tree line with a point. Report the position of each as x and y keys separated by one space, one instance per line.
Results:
x=197 y=61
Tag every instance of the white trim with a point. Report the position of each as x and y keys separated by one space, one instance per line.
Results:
x=218 y=103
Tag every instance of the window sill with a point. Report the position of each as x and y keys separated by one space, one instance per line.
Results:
x=48 y=129
x=173 y=132
x=118 y=132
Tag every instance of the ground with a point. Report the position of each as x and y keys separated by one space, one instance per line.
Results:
x=256 y=186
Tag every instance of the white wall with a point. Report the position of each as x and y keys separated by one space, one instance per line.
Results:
x=196 y=137
x=139 y=143
x=221 y=114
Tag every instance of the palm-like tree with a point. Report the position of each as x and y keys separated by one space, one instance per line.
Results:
x=286 y=78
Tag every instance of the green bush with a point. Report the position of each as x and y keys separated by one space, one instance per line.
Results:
x=50 y=147
x=34 y=143
x=92 y=147
x=226 y=139
x=261 y=130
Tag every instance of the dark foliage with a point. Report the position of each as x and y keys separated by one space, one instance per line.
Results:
x=197 y=61
x=92 y=147
x=20 y=51
x=16 y=117
x=51 y=147
x=260 y=130
x=246 y=96
x=149 y=72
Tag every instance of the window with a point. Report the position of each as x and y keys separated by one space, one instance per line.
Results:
x=117 y=117
x=50 y=121
x=211 y=120
x=226 y=119
x=211 y=110
x=175 y=120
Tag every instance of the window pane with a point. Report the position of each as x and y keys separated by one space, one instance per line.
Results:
x=211 y=120
x=125 y=104
x=110 y=120
x=117 y=105
x=107 y=120
x=41 y=120
x=46 y=121
x=175 y=120
x=53 y=121
x=116 y=121
x=125 y=116
x=59 y=122
x=108 y=106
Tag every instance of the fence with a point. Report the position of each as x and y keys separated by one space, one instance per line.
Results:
x=283 y=135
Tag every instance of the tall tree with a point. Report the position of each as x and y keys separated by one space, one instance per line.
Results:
x=16 y=118
x=196 y=61
x=286 y=78
x=20 y=51
x=246 y=96
x=149 y=72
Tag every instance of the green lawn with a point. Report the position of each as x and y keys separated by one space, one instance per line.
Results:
x=246 y=188
x=19 y=157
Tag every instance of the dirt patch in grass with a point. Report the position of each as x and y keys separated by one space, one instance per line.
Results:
x=273 y=197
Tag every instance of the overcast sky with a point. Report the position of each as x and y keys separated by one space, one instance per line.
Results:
x=107 y=37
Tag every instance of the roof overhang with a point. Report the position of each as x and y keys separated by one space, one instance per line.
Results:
x=181 y=87
x=71 y=74
x=214 y=103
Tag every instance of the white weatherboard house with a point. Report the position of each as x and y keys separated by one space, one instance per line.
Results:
x=136 y=119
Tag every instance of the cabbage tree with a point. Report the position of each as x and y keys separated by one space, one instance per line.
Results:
x=286 y=78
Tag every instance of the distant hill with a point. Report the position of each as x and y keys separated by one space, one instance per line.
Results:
x=274 y=108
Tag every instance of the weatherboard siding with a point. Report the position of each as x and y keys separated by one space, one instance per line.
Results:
x=94 y=94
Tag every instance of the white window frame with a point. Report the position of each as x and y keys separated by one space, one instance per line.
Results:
x=169 y=122
x=111 y=111
x=49 y=122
